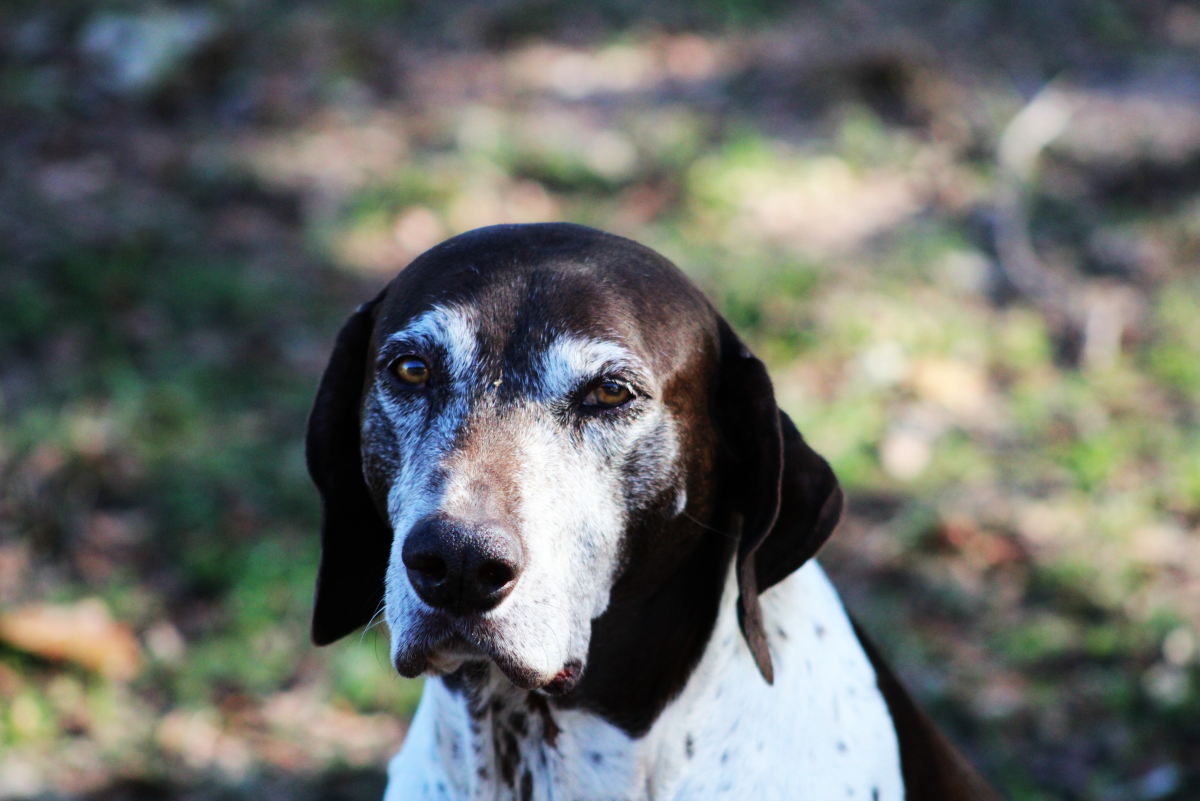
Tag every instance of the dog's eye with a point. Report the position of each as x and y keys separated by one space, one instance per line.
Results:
x=608 y=394
x=411 y=370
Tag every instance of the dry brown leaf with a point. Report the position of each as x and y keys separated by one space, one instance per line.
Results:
x=83 y=633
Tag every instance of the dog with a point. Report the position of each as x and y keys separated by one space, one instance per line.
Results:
x=565 y=484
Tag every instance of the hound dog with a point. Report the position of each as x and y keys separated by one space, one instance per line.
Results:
x=565 y=483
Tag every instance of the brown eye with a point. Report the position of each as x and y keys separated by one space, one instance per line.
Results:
x=411 y=370
x=608 y=394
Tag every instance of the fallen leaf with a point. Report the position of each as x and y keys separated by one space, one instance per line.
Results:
x=83 y=633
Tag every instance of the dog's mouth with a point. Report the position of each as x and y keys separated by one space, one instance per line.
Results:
x=441 y=644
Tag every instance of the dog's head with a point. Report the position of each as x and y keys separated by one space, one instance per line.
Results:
x=532 y=424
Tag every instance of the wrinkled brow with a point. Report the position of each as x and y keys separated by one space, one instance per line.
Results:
x=571 y=360
x=449 y=329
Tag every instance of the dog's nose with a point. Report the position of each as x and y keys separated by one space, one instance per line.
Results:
x=461 y=567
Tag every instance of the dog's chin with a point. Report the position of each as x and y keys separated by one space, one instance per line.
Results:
x=439 y=651
x=560 y=682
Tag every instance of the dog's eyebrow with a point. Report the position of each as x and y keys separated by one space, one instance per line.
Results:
x=451 y=329
x=570 y=359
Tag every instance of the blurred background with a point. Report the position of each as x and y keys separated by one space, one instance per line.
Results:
x=964 y=235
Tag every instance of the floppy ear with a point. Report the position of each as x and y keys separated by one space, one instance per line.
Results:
x=788 y=496
x=355 y=542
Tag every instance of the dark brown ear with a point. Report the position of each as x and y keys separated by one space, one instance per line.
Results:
x=355 y=542
x=788 y=496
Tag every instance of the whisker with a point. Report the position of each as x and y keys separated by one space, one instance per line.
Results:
x=371 y=622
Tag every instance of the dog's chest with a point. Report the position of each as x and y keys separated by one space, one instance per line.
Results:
x=512 y=746
x=821 y=731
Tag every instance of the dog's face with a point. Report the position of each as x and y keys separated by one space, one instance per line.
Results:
x=538 y=421
x=526 y=420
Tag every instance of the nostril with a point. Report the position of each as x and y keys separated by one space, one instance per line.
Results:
x=429 y=566
x=493 y=575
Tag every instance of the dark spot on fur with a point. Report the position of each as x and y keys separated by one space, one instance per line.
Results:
x=820 y=631
x=453 y=682
x=596 y=757
x=508 y=754
x=782 y=634
x=841 y=747
x=724 y=757
x=550 y=730
x=526 y=786
x=519 y=723
x=874 y=794
x=689 y=746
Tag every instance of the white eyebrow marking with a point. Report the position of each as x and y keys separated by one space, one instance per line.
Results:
x=570 y=359
x=451 y=328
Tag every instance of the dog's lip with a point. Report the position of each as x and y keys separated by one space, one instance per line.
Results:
x=443 y=643
x=443 y=657
x=430 y=643
x=439 y=640
x=565 y=680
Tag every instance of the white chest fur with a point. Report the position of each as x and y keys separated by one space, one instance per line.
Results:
x=821 y=732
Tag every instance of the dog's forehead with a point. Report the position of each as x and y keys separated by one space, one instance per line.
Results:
x=522 y=288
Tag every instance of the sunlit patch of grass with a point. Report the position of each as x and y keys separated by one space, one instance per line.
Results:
x=256 y=643
x=1172 y=356
x=1182 y=484
x=845 y=433
x=1022 y=344
x=1095 y=459
x=959 y=460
